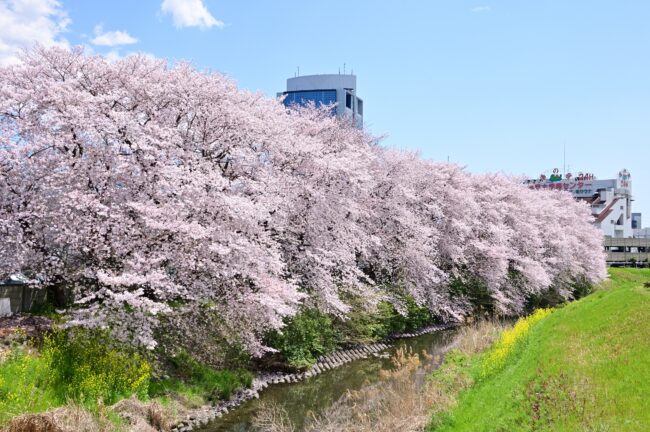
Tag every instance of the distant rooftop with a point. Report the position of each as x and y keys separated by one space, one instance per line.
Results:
x=322 y=82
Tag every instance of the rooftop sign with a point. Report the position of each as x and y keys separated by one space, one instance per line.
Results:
x=583 y=185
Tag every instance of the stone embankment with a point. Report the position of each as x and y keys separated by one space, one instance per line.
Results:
x=201 y=417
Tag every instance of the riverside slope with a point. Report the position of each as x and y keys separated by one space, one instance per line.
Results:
x=585 y=367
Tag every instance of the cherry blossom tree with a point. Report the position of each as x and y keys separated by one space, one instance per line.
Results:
x=136 y=185
x=140 y=189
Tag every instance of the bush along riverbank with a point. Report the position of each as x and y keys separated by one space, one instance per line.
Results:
x=585 y=366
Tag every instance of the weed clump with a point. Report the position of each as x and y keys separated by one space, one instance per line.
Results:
x=192 y=376
x=85 y=368
x=75 y=366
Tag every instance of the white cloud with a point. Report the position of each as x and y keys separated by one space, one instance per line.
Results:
x=481 y=9
x=112 y=38
x=115 y=55
x=26 y=22
x=190 y=13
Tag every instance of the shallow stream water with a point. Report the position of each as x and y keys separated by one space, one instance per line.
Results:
x=317 y=393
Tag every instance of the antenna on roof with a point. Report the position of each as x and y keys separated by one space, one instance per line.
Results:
x=351 y=71
x=343 y=68
x=298 y=70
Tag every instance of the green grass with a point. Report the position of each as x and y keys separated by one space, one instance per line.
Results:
x=199 y=383
x=24 y=386
x=585 y=367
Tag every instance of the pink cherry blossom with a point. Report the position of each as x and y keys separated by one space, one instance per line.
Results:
x=137 y=185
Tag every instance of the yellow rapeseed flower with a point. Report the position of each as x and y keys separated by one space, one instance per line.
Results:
x=508 y=340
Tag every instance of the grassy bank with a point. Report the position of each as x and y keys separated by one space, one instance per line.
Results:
x=82 y=379
x=586 y=366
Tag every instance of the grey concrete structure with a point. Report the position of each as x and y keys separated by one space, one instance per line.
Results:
x=18 y=297
x=624 y=250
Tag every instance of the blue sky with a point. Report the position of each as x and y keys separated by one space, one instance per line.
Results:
x=493 y=85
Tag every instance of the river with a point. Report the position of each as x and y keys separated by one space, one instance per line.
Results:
x=317 y=393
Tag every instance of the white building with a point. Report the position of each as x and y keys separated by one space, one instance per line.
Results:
x=325 y=90
x=610 y=200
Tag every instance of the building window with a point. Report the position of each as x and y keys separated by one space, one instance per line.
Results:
x=318 y=97
x=360 y=106
x=348 y=100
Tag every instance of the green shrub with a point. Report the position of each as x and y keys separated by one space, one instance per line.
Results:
x=386 y=320
x=305 y=336
x=416 y=316
x=551 y=297
x=476 y=292
x=191 y=376
x=545 y=299
x=363 y=326
x=45 y=309
x=85 y=367
x=310 y=333
x=581 y=288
